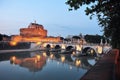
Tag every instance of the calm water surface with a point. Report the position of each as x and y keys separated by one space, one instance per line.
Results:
x=43 y=66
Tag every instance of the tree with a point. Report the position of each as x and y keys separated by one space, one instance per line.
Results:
x=108 y=14
x=76 y=37
x=1 y=37
x=94 y=38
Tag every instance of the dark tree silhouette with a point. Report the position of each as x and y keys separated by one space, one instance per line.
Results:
x=1 y=37
x=76 y=37
x=108 y=14
x=94 y=39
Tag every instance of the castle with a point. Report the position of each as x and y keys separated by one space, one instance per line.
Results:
x=34 y=33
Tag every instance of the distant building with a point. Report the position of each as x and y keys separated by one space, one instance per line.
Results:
x=34 y=33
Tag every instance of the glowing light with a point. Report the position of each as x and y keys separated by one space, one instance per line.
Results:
x=62 y=58
x=73 y=53
x=51 y=56
x=35 y=60
x=91 y=51
x=34 y=33
x=52 y=46
x=44 y=45
x=63 y=46
x=44 y=54
x=13 y=59
x=77 y=62
x=38 y=43
x=78 y=47
x=13 y=43
x=99 y=49
x=38 y=57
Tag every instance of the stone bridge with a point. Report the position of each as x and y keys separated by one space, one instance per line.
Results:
x=77 y=48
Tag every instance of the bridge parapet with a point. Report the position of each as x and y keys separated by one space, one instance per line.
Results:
x=81 y=48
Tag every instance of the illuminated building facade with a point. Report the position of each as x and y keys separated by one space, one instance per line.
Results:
x=33 y=30
x=34 y=33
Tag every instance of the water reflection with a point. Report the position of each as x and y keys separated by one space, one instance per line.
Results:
x=77 y=62
x=46 y=65
x=83 y=62
x=52 y=56
x=38 y=60
x=34 y=64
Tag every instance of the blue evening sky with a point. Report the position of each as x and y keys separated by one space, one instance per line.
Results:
x=52 y=14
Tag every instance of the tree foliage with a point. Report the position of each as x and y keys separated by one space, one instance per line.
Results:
x=95 y=39
x=3 y=36
x=76 y=37
x=108 y=14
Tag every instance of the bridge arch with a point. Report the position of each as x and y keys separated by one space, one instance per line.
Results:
x=57 y=47
x=48 y=46
x=89 y=51
x=68 y=48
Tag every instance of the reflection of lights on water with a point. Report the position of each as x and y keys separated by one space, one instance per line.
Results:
x=44 y=54
x=12 y=59
x=13 y=43
x=38 y=57
x=48 y=59
x=51 y=56
x=70 y=67
x=58 y=62
x=73 y=53
x=97 y=58
x=36 y=61
x=62 y=58
x=77 y=62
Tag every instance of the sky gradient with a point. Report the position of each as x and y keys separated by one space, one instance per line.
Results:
x=52 y=14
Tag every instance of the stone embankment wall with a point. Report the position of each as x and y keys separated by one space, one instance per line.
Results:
x=107 y=68
x=20 y=45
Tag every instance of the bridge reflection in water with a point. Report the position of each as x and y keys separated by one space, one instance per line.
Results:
x=46 y=65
